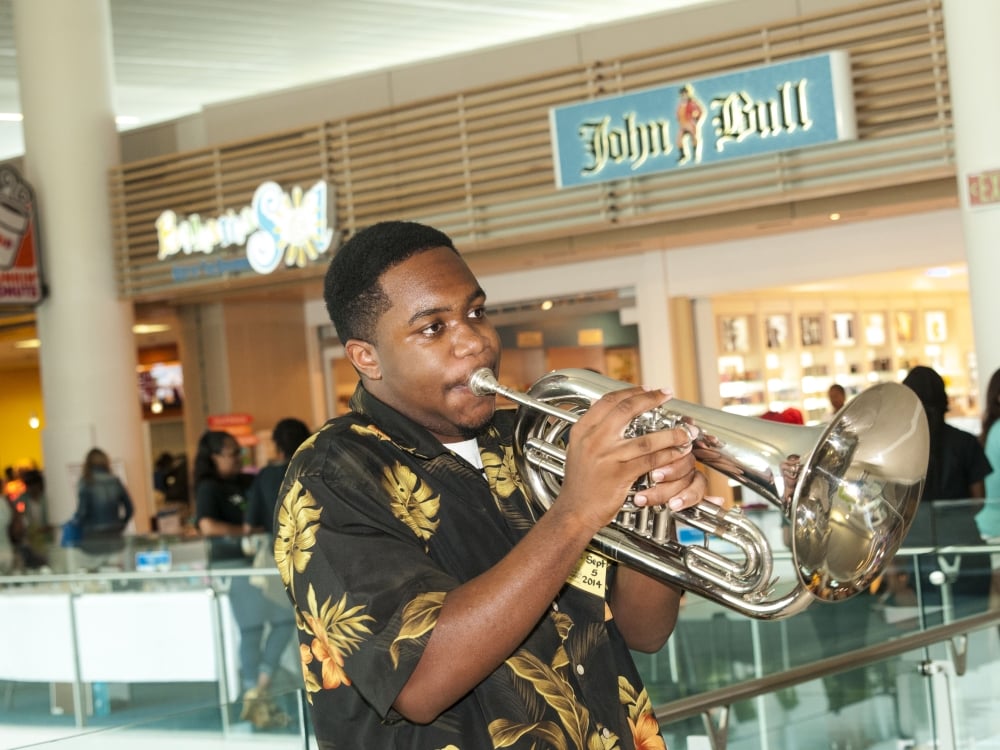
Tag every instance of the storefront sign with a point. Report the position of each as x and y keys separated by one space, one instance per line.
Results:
x=984 y=188
x=239 y=425
x=756 y=111
x=276 y=226
x=20 y=264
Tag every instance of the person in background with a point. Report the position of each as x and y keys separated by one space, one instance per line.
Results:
x=13 y=485
x=953 y=495
x=37 y=530
x=988 y=519
x=221 y=487
x=161 y=470
x=433 y=609
x=837 y=396
x=104 y=506
x=9 y=533
x=287 y=435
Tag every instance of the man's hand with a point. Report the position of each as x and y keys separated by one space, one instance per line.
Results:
x=602 y=464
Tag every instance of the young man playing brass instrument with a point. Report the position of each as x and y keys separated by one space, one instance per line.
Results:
x=433 y=610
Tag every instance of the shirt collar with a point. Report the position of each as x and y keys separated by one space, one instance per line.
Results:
x=402 y=430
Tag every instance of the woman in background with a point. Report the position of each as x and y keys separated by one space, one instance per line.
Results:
x=104 y=506
x=220 y=487
x=952 y=497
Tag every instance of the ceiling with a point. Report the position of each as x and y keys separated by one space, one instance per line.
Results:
x=172 y=57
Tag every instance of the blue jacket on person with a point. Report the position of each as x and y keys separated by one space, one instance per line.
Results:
x=104 y=504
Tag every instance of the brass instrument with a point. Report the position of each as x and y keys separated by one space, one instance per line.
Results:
x=849 y=489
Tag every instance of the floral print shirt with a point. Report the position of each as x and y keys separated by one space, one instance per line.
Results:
x=378 y=522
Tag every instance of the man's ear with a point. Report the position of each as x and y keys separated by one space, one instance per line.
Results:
x=363 y=356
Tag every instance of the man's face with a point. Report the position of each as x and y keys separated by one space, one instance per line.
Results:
x=432 y=338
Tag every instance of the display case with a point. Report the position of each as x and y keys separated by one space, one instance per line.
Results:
x=776 y=354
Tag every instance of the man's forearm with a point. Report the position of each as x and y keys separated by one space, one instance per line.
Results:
x=483 y=621
x=644 y=608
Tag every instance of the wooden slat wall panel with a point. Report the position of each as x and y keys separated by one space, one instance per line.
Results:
x=478 y=164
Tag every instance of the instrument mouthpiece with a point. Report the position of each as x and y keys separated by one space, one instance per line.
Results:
x=482 y=382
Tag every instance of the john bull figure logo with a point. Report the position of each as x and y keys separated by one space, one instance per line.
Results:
x=736 y=117
x=277 y=226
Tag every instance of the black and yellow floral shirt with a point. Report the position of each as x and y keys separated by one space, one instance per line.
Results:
x=378 y=522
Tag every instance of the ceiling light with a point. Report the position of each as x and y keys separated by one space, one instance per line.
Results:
x=18 y=117
x=27 y=344
x=547 y=304
x=834 y=216
x=938 y=272
x=142 y=328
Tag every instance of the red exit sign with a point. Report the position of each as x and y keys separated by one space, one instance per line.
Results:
x=984 y=188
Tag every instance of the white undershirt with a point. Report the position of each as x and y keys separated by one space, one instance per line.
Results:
x=469 y=450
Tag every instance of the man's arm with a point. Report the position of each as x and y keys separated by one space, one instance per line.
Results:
x=483 y=621
x=645 y=609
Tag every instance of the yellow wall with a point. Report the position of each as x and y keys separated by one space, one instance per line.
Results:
x=20 y=397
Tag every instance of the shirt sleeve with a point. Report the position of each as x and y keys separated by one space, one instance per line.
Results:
x=980 y=466
x=126 y=503
x=205 y=501
x=363 y=581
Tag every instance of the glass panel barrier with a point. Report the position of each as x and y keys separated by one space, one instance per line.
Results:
x=150 y=631
x=145 y=723
x=145 y=635
x=923 y=695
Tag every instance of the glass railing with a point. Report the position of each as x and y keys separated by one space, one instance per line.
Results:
x=145 y=721
x=143 y=640
x=757 y=681
x=146 y=639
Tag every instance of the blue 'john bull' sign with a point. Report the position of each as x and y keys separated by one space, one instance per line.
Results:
x=760 y=110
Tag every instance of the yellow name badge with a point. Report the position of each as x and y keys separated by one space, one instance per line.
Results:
x=591 y=574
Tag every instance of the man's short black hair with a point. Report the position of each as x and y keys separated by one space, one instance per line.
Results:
x=352 y=288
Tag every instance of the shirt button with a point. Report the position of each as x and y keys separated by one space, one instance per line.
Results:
x=579 y=669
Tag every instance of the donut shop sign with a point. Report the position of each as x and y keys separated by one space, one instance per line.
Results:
x=277 y=228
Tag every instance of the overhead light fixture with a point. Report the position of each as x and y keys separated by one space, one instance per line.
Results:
x=34 y=422
x=27 y=344
x=123 y=120
x=547 y=304
x=835 y=216
x=143 y=328
x=938 y=272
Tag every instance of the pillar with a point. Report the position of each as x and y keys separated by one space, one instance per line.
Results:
x=971 y=28
x=87 y=357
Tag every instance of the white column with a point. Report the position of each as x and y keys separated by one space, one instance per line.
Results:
x=88 y=357
x=971 y=29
